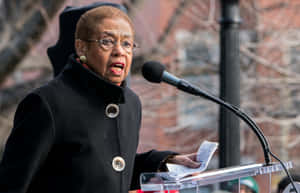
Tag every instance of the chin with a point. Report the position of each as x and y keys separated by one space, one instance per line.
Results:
x=117 y=82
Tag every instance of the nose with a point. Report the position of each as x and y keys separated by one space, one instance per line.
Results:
x=118 y=50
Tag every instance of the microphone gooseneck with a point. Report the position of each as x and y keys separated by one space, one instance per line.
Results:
x=155 y=72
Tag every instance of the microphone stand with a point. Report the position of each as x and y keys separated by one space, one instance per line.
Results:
x=155 y=72
x=187 y=87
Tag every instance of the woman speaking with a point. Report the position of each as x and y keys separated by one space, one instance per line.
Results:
x=79 y=132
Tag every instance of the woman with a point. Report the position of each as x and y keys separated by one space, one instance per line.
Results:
x=79 y=133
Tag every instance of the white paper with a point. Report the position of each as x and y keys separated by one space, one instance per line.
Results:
x=204 y=155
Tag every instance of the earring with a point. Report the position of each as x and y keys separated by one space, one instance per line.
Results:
x=82 y=59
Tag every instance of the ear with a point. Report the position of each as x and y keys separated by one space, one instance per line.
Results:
x=81 y=47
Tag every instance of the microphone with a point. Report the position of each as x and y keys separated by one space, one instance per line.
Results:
x=154 y=71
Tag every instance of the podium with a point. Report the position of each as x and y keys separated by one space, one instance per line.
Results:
x=215 y=181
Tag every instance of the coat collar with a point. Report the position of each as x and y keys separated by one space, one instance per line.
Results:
x=92 y=83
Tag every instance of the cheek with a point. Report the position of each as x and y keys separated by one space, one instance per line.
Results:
x=98 y=61
x=129 y=62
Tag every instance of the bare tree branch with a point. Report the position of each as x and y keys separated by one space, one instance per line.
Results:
x=267 y=63
x=171 y=24
x=23 y=23
x=156 y=50
x=13 y=95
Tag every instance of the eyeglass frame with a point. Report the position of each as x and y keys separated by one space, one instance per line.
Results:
x=100 y=44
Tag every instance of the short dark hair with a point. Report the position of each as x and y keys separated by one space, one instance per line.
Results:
x=85 y=27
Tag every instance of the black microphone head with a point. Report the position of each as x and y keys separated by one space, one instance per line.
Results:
x=153 y=71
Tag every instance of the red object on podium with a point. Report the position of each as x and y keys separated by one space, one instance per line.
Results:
x=163 y=191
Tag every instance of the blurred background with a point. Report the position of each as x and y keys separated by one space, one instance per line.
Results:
x=185 y=36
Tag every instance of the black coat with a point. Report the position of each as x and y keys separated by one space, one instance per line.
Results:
x=62 y=141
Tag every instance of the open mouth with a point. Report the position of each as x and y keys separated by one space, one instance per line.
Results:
x=117 y=68
x=117 y=65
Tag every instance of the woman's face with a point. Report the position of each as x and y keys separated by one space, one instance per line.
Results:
x=111 y=58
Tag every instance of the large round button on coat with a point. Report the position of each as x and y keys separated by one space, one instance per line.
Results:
x=118 y=164
x=112 y=110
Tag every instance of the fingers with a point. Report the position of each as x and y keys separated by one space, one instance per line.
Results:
x=186 y=160
x=193 y=156
x=192 y=164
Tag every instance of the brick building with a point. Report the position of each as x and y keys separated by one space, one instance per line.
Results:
x=270 y=74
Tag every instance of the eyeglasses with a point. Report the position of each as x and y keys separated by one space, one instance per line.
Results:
x=110 y=43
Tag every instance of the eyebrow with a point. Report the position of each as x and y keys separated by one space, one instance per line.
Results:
x=112 y=33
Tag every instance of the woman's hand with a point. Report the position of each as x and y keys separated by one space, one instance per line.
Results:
x=188 y=160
